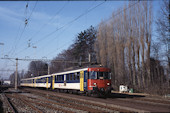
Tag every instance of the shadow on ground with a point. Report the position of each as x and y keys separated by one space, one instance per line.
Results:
x=122 y=95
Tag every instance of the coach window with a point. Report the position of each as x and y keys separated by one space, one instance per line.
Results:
x=43 y=80
x=74 y=75
x=86 y=75
x=71 y=76
x=67 y=77
x=56 y=78
x=78 y=75
x=62 y=77
x=30 y=81
x=59 y=77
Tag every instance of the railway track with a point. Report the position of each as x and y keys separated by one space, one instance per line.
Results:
x=136 y=104
x=40 y=101
x=9 y=106
x=76 y=104
x=21 y=105
x=37 y=104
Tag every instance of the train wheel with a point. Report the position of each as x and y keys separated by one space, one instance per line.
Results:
x=67 y=91
x=88 y=94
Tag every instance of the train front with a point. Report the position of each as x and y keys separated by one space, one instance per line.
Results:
x=99 y=81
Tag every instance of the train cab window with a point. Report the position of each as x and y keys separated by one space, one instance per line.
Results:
x=92 y=75
x=107 y=75
x=100 y=75
x=103 y=75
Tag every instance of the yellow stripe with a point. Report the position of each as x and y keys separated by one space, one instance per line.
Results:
x=47 y=83
x=81 y=81
x=53 y=82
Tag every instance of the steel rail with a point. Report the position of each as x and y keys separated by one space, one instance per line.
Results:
x=10 y=106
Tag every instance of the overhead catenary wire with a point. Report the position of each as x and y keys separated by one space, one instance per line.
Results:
x=45 y=37
x=87 y=12
x=51 y=19
x=107 y=19
x=17 y=40
x=78 y=18
x=75 y=19
x=13 y=49
x=45 y=60
x=26 y=22
x=33 y=10
x=44 y=26
x=104 y=22
x=84 y=14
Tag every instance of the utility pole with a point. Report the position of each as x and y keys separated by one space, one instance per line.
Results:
x=2 y=44
x=48 y=69
x=89 y=57
x=35 y=49
x=16 y=73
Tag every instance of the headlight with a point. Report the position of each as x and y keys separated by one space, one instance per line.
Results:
x=94 y=84
x=108 y=84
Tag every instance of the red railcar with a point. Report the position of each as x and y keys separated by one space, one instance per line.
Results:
x=99 y=81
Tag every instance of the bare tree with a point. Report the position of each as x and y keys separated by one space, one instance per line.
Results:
x=123 y=41
x=163 y=29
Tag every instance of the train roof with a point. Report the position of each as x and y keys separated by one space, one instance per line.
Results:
x=36 y=77
x=72 y=71
x=64 y=72
x=60 y=73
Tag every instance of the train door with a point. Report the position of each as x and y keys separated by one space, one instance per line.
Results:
x=47 y=83
x=51 y=81
x=85 y=80
x=81 y=80
x=34 y=82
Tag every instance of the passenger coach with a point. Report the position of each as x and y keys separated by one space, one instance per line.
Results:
x=93 y=80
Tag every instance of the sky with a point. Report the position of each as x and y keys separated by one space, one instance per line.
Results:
x=51 y=27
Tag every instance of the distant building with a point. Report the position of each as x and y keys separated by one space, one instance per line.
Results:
x=7 y=82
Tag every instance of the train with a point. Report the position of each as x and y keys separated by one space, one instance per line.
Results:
x=90 y=81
